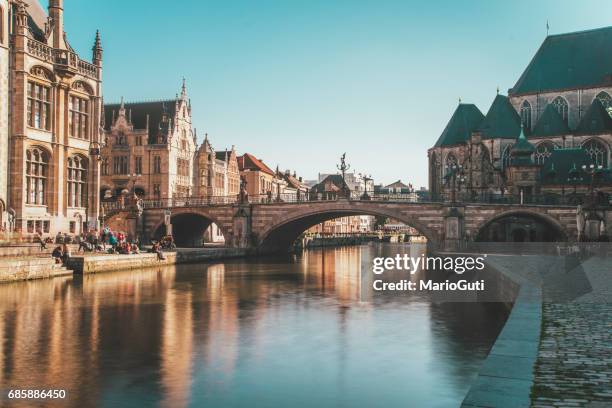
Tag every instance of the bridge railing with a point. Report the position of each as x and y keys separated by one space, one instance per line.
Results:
x=552 y=200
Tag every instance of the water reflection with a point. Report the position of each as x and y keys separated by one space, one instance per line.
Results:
x=272 y=332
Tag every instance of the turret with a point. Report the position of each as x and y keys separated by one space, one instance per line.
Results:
x=97 y=50
x=21 y=18
x=522 y=150
x=56 y=13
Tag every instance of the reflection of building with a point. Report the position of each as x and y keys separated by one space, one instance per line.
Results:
x=55 y=109
x=149 y=148
x=562 y=102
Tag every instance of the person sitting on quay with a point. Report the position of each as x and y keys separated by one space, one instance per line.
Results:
x=57 y=254
x=65 y=253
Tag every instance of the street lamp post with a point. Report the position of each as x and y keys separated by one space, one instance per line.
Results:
x=455 y=176
x=365 y=195
x=593 y=171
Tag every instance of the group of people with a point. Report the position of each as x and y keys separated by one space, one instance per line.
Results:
x=61 y=253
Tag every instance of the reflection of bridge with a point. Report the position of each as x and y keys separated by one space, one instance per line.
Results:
x=272 y=225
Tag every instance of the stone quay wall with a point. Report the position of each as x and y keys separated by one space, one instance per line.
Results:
x=87 y=264
x=20 y=269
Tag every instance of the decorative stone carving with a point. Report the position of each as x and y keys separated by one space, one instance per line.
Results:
x=42 y=73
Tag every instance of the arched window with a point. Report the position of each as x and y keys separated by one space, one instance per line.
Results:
x=606 y=101
x=526 y=114
x=37 y=168
x=450 y=161
x=543 y=152
x=77 y=181
x=104 y=167
x=506 y=157
x=560 y=104
x=597 y=151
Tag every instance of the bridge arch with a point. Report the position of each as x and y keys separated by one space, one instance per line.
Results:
x=499 y=228
x=279 y=236
x=189 y=226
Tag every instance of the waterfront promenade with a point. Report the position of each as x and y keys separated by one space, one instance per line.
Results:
x=555 y=349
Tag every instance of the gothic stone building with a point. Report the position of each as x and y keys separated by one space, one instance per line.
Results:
x=149 y=149
x=216 y=173
x=49 y=156
x=557 y=118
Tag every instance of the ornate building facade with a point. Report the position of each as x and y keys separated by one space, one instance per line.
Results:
x=216 y=174
x=149 y=149
x=556 y=119
x=54 y=129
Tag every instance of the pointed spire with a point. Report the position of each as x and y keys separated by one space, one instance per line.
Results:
x=97 y=50
x=497 y=89
x=522 y=134
x=122 y=108
x=459 y=100
x=184 y=90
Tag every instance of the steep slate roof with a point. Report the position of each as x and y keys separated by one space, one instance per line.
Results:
x=568 y=61
x=249 y=162
x=465 y=120
x=221 y=155
x=557 y=166
x=139 y=111
x=596 y=120
x=550 y=123
x=501 y=121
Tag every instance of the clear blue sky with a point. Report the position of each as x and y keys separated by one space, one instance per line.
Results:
x=297 y=83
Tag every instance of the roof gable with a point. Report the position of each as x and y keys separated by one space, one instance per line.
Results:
x=331 y=183
x=465 y=119
x=596 y=120
x=249 y=162
x=569 y=61
x=501 y=121
x=550 y=123
x=139 y=111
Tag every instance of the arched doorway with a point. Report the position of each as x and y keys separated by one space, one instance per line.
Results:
x=188 y=230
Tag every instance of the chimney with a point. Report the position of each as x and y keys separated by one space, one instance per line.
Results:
x=56 y=12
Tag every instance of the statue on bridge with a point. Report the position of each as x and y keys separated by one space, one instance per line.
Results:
x=343 y=167
x=243 y=196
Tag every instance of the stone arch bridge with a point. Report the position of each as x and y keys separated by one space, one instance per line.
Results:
x=271 y=227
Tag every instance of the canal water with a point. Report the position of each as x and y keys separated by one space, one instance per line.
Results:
x=274 y=332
